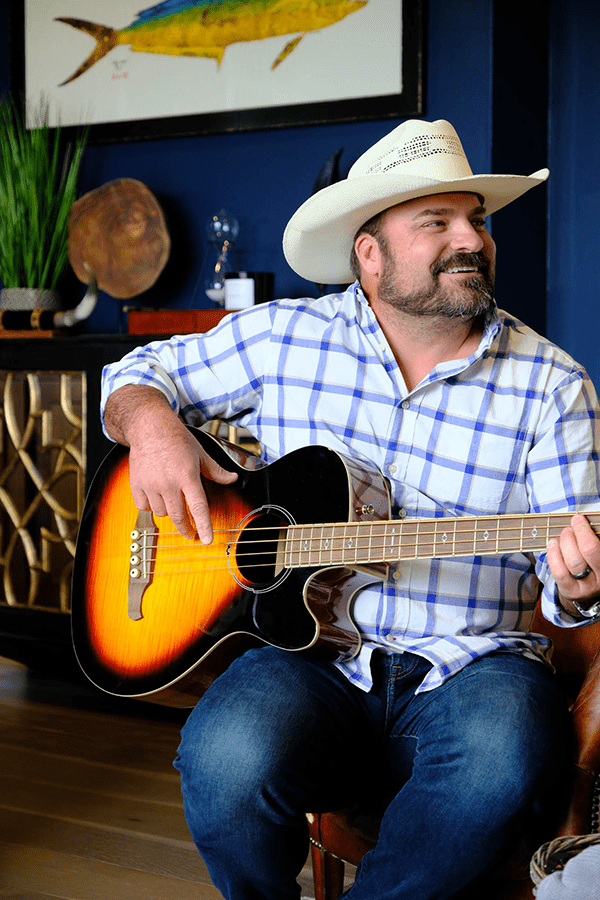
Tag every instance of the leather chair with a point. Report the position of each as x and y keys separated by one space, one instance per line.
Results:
x=344 y=836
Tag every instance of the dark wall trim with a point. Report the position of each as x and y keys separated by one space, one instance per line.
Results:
x=520 y=146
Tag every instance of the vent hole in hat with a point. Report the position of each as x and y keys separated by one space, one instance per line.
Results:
x=418 y=147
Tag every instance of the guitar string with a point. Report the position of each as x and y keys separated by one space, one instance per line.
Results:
x=429 y=541
x=159 y=559
x=419 y=525
x=463 y=536
x=500 y=526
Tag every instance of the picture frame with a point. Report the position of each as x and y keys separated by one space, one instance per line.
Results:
x=366 y=65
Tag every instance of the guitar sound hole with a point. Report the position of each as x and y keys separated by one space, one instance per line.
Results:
x=259 y=550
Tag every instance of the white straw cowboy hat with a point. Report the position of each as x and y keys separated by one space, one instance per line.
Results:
x=416 y=159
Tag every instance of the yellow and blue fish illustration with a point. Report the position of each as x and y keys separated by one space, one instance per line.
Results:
x=208 y=27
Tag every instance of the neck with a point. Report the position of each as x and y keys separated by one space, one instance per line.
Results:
x=420 y=343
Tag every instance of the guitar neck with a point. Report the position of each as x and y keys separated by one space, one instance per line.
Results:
x=363 y=543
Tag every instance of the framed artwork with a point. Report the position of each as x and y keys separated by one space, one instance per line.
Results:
x=205 y=66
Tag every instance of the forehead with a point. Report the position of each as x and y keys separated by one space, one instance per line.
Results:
x=458 y=201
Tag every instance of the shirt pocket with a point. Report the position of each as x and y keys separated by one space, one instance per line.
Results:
x=471 y=468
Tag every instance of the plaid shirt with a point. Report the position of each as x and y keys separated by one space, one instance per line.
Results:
x=511 y=429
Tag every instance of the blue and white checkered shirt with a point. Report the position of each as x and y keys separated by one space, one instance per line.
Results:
x=511 y=429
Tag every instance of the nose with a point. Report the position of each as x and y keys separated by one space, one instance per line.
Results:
x=466 y=237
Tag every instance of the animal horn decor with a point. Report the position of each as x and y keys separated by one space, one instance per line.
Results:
x=207 y=27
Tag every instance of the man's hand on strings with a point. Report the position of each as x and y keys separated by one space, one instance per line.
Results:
x=165 y=460
x=574 y=560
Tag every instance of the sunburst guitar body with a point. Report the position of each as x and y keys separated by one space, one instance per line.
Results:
x=159 y=617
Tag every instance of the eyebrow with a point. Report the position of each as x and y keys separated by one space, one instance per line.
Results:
x=478 y=211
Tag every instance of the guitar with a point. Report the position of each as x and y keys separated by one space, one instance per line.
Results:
x=159 y=617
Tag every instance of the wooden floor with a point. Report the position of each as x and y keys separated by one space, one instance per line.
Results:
x=90 y=806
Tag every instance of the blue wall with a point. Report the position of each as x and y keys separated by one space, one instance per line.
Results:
x=573 y=313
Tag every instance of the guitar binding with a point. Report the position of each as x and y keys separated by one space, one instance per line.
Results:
x=260 y=537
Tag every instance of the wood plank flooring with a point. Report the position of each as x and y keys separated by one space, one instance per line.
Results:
x=90 y=806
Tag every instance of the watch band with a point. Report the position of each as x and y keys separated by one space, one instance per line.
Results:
x=591 y=613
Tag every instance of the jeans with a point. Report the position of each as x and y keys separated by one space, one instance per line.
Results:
x=281 y=733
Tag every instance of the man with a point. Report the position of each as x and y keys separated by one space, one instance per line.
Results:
x=449 y=712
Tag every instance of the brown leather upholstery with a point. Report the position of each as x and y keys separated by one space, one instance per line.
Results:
x=344 y=837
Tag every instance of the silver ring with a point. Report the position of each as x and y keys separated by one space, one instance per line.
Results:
x=581 y=575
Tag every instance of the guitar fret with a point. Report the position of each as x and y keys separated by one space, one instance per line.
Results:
x=340 y=533
x=392 y=540
x=408 y=541
x=349 y=544
x=465 y=538
x=511 y=535
x=533 y=535
x=446 y=540
x=485 y=537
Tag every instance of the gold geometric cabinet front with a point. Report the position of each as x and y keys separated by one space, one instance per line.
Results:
x=42 y=483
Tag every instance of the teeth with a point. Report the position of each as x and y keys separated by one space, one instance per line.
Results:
x=456 y=269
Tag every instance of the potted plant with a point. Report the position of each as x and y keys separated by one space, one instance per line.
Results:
x=38 y=185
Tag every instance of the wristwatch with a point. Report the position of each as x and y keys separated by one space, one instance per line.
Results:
x=590 y=613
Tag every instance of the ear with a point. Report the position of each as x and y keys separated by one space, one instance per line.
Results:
x=368 y=254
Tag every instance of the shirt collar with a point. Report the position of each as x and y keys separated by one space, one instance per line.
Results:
x=364 y=309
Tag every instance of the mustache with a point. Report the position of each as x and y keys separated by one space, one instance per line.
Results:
x=473 y=260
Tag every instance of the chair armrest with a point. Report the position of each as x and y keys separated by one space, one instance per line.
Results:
x=581 y=816
x=586 y=720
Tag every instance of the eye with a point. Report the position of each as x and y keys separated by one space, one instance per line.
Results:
x=479 y=224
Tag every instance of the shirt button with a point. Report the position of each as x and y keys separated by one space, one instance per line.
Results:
x=382 y=348
x=402 y=513
x=405 y=405
x=392 y=468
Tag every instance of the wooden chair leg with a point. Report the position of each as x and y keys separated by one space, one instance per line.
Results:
x=328 y=873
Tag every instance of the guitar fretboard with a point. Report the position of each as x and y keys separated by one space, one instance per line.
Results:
x=361 y=543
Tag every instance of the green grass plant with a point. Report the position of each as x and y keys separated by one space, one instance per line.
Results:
x=38 y=185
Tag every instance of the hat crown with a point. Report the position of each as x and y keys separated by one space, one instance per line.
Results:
x=416 y=148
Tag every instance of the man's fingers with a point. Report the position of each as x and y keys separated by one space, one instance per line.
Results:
x=587 y=540
x=140 y=498
x=211 y=469
x=166 y=478
x=574 y=560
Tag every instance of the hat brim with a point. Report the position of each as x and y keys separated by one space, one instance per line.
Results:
x=318 y=238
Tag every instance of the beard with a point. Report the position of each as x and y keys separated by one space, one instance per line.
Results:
x=473 y=298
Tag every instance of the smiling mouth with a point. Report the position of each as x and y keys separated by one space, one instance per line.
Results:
x=461 y=264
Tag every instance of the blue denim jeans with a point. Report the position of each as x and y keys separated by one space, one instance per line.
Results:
x=281 y=733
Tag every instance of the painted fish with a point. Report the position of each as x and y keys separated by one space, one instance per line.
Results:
x=208 y=27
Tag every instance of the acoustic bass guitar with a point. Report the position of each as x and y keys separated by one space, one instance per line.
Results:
x=159 y=617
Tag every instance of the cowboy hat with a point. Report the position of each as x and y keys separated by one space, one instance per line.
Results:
x=416 y=159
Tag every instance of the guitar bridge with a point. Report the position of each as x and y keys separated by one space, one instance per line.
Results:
x=141 y=562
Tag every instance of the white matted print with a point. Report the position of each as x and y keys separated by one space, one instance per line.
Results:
x=101 y=62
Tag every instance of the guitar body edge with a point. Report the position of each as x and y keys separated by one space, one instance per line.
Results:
x=204 y=606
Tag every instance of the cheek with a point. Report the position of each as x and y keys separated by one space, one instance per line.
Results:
x=489 y=248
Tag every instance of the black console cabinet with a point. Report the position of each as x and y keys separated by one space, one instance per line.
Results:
x=51 y=445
